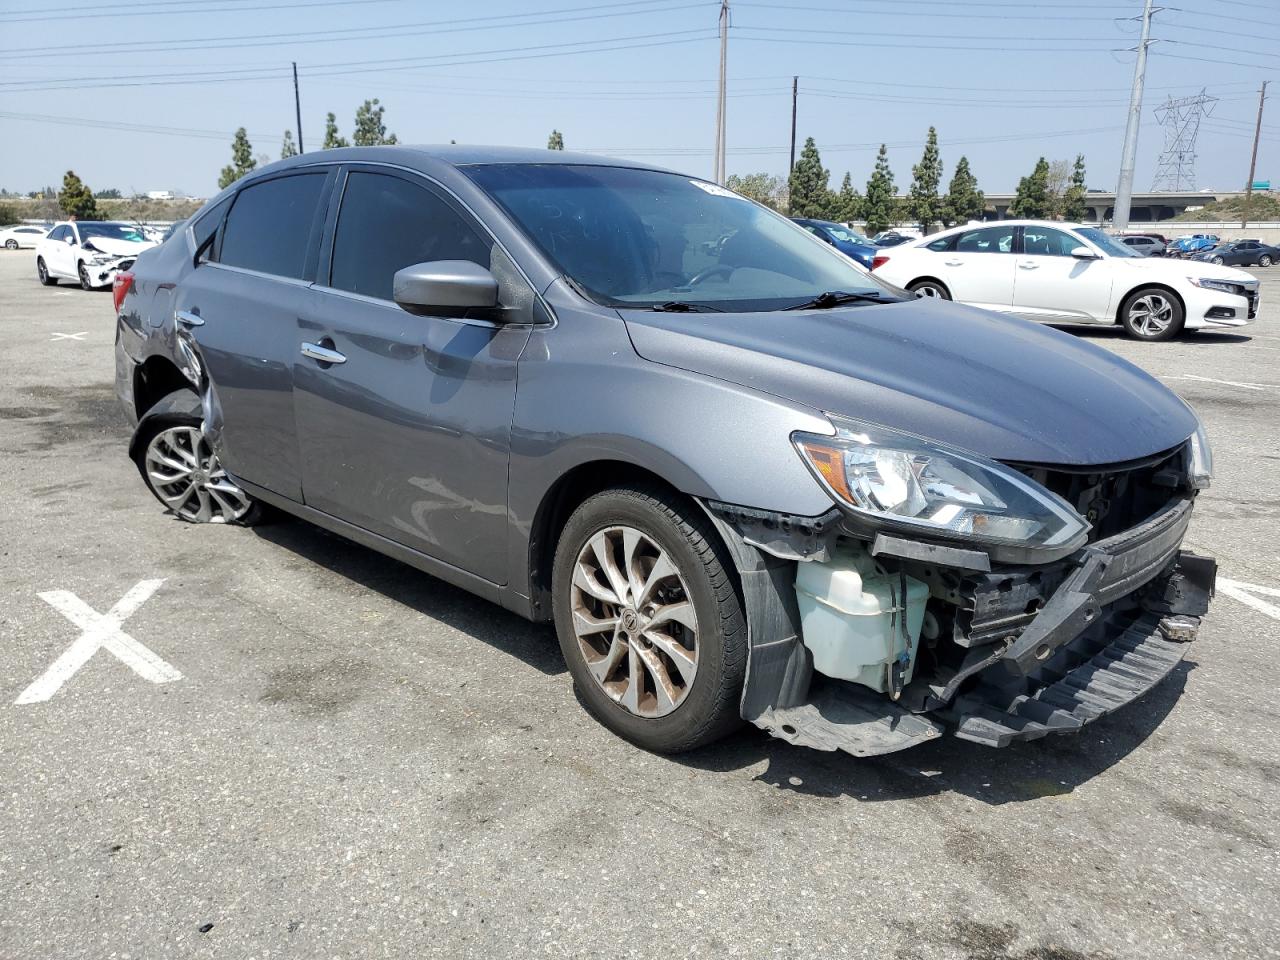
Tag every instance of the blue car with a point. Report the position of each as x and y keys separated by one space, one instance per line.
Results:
x=1185 y=247
x=852 y=245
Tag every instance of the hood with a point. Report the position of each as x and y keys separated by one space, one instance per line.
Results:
x=1178 y=270
x=118 y=248
x=1003 y=387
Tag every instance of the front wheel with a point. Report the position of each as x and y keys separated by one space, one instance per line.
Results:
x=649 y=619
x=11 y=244
x=180 y=468
x=1152 y=314
x=929 y=289
x=1217 y=261
x=84 y=277
x=42 y=272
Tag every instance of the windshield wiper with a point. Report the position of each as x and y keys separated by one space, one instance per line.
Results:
x=835 y=298
x=680 y=306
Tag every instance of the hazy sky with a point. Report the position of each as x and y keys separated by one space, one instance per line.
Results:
x=146 y=95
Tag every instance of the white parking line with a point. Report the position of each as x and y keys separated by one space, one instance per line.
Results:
x=99 y=631
x=1244 y=592
x=1227 y=383
x=70 y=336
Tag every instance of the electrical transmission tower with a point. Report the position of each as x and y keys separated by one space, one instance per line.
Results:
x=1176 y=168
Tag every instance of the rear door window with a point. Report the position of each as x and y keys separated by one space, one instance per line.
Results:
x=387 y=223
x=986 y=240
x=270 y=225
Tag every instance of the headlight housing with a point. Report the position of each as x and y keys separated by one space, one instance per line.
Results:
x=1200 y=467
x=1212 y=283
x=898 y=480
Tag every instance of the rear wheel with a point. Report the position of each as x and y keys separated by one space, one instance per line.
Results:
x=1152 y=314
x=42 y=272
x=929 y=289
x=1265 y=260
x=180 y=468
x=649 y=619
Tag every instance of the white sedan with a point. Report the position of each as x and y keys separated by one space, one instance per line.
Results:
x=23 y=235
x=89 y=251
x=1067 y=273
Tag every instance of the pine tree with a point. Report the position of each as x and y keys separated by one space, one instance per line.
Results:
x=808 y=184
x=332 y=139
x=242 y=160
x=75 y=199
x=1032 y=200
x=555 y=141
x=878 y=209
x=370 y=131
x=848 y=203
x=1074 y=207
x=924 y=204
x=287 y=147
x=964 y=201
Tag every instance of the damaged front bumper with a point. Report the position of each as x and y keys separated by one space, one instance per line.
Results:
x=102 y=270
x=1042 y=649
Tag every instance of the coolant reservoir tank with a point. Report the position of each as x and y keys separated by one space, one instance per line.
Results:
x=852 y=618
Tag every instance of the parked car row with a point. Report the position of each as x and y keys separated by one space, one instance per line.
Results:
x=90 y=252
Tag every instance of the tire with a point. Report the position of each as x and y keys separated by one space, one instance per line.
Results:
x=1217 y=261
x=1152 y=313
x=84 y=276
x=42 y=273
x=930 y=290
x=1265 y=260
x=675 y=706
x=210 y=497
x=11 y=244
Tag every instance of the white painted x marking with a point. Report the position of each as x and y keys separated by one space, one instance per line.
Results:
x=70 y=336
x=1246 y=594
x=100 y=631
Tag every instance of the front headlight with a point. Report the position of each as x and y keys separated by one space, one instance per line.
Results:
x=1210 y=283
x=896 y=479
x=1201 y=466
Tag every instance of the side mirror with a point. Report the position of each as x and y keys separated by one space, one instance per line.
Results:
x=1084 y=253
x=71 y=241
x=448 y=285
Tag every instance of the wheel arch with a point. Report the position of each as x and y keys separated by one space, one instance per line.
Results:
x=179 y=403
x=1123 y=302
x=928 y=279
x=153 y=380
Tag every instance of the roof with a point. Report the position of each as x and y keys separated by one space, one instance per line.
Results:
x=462 y=155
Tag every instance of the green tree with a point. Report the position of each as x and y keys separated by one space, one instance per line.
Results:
x=1074 y=207
x=848 y=202
x=242 y=161
x=878 y=209
x=111 y=194
x=1032 y=201
x=555 y=141
x=760 y=187
x=75 y=199
x=287 y=147
x=924 y=203
x=332 y=139
x=807 y=185
x=964 y=201
x=370 y=131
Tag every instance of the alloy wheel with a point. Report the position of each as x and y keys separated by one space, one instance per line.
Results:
x=928 y=292
x=634 y=621
x=1151 y=314
x=1266 y=260
x=11 y=244
x=183 y=470
x=84 y=277
x=41 y=270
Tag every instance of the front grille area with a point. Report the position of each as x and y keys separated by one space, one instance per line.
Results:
x=1114 y=499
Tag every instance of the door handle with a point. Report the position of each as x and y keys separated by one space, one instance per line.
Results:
x=954 y=263
x=1029 y=266
x=188 y=319
x=324 y=354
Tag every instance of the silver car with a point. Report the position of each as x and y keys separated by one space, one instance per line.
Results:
x=742 y=476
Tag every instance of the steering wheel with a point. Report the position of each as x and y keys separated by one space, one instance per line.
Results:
x=701 y=275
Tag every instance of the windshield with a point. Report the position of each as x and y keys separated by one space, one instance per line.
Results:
x=642 y=238
x=840 y=233
x=1106 y=243
x=111 y=231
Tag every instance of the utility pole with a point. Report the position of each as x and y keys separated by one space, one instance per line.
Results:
x=720 y=125
x=1253 y=163
x=1124 y=189
x=297 y=106
x=795 y=90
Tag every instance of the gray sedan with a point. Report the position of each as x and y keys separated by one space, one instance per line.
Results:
x=744 y=478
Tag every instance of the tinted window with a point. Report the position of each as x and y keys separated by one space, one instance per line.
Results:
x=270 y=224
x=387 y=223
x=986 y=240
x=60 y=233
x=205 y=228
x=941 y=244
x=1043 y=242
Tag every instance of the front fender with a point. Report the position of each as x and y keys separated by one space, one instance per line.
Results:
x=180 y=404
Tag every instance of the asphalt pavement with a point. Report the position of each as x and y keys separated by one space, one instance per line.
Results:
x=351 y=759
